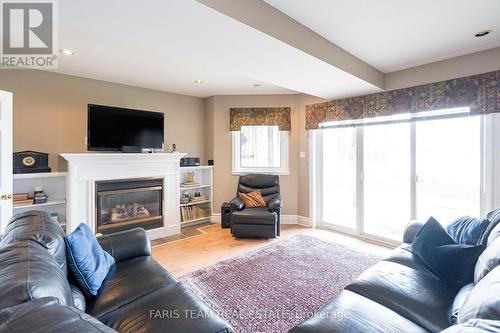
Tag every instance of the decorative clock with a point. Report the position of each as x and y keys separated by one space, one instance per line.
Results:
x=31 y=162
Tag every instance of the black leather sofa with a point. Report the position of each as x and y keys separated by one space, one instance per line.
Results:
x=259 y=222
x=399 y=294
x=38 y=294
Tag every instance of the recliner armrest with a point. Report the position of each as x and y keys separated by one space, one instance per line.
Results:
x=237 y=203
x=275 y=204
x=128 y=244
x=411 y=230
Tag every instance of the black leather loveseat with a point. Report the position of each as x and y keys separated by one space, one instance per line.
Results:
x=37 y=293
x=399 y=294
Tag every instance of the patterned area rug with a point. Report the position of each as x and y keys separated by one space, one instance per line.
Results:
x=275 y=288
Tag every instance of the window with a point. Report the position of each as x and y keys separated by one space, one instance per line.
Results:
x=372 y=180
x=260 y=149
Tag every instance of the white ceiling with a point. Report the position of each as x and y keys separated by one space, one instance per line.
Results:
x=166 y=45
x=396 y=34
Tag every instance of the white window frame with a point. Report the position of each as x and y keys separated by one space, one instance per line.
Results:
x=283 y=170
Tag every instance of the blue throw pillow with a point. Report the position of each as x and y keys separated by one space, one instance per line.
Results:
x=467 y=230
x=452 y=263
x=86 y=259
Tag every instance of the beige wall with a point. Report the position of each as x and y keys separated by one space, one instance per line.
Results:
x=295 y=186
x=224 y=182
x=471 y=64
x=50 y=112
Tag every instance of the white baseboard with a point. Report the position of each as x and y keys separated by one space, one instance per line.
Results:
x=285 y=219
x=215 y=218
x=304 y=220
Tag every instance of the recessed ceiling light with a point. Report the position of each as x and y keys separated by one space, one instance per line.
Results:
x=482 y=33
x=67 y=52
x=198 y=81
x=255 y=85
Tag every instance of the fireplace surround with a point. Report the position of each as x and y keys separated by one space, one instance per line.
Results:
x=87 y=172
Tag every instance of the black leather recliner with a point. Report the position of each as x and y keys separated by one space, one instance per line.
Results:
x=260 y=222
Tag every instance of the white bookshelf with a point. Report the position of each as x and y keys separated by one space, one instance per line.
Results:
x=203 y=176
x=54 y=185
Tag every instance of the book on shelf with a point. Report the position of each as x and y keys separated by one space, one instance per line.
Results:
x=190 y=184
x=20 y=196
x=194 y=213
x=27 y=202
x=200 y=198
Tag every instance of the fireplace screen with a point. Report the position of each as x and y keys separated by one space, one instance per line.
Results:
x=127 y=204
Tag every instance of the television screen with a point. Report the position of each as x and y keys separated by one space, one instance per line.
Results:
x=110 y=128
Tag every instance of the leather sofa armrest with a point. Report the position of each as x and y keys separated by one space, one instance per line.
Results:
x=237 y=203
x=128 y=244
x=274 y=204
x=411 y=230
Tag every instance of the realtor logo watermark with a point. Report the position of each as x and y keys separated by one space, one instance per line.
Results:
x=29 y=34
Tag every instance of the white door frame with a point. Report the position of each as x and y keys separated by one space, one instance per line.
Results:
x=5 y=158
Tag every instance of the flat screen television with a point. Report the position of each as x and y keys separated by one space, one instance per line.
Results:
x=111 y=128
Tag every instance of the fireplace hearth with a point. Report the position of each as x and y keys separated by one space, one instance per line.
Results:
x=125 y=204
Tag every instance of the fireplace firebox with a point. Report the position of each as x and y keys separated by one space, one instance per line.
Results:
x=126 y=204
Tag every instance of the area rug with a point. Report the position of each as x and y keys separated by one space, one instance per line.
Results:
x=276 y=287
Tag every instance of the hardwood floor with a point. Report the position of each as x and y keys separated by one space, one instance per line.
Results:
x=215 y=244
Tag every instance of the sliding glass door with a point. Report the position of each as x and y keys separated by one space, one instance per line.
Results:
x=448 y=156
x=338 y=165
x=386 y=181
x=373 y=179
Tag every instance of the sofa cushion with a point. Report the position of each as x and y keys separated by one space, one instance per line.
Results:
x=453 y=263
x=459 y=301
x=128 y=281
x=126 y=244
x=350 y=312
x=78 y=298
x=419 y=296
x=40 y=228
x=467 y=230
x=259 y=216
x=475 y=326
x=87 y=260
x=28 y=272
x=47 y=315
x=483 y=301
x=403 y=255
x=172 y=309
x=488 y=260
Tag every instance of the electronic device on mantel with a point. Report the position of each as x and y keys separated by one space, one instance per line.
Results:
x=190 y=161
x=31 y=162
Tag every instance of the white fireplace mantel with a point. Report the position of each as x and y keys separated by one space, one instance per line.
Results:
x=84 y=169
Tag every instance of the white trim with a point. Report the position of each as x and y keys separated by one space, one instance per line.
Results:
x=288 y=219
x=283 y=170
x=495 y=160
x=312 y=176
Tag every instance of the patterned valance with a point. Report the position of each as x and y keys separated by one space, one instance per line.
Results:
x=481 y=93
x=260 y=116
